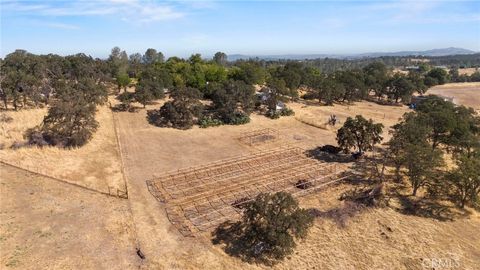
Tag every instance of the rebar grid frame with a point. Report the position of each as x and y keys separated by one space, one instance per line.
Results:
x=200 y=198
x=259 y=136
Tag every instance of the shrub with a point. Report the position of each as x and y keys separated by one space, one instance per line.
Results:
x=239 y=119
x=287 y=112
x=273 y=114
x=208 y=121
x=35 y=137
x=310 y=96
x=368 y=196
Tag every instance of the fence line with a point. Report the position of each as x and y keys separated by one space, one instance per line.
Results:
x=124 y=173
x=111 y=192
x=120 y=152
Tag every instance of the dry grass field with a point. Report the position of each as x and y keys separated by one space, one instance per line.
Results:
x=328 y=246
x=383 y=239
x=96 y=165
x=50 y=225
x=467 y=94
x=467 y=71
x=80 y=229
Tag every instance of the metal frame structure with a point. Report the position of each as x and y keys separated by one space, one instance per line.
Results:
x=259 y=136
x=200 y=198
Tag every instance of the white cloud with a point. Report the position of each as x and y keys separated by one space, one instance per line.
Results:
x=62 y=26
x=131 y=10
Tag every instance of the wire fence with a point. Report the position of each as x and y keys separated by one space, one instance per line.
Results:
x=110 y=191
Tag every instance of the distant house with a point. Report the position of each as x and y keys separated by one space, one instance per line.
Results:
x=281 y=105
x=263 y=97
x=412 y=67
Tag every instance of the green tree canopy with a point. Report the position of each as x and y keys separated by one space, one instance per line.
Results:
x=271 y=223
x=465 y=179
x=180 y=112
x=234 y=99
x=359 y=133
x=220 y=58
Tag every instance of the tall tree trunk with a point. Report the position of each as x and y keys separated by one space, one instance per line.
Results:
x=415 y=188
x=15 y=106
x=5 y=101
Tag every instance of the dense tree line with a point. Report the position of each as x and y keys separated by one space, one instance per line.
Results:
x=420 y=144
x=32 y=80
x=228 y=85
x=72 y=86
x=330 y=65
x=422 y=138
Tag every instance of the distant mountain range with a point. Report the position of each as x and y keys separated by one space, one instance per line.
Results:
x=433 y=52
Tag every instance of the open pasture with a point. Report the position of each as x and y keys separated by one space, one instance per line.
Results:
x=467 y=94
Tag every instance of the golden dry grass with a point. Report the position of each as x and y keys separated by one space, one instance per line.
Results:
x=96 y=165
x=45 y=224
x=467 y=71
x=383 y=239
x=317 y=115
x=150 y=151
x=467 y=94
x=375 y=239
x=400 y=71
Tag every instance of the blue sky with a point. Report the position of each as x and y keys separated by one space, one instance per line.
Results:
x=246 y=27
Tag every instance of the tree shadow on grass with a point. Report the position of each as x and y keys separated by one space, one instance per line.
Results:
x=236 y=243
x=384 y=102
x=318 y=154
x=125 y=108
x=427 y=208
x=339 y=215
x=232 y=236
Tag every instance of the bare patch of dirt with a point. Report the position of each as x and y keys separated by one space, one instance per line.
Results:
x=467 y=71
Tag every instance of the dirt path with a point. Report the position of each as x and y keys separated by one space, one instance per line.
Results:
x=158 y=239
